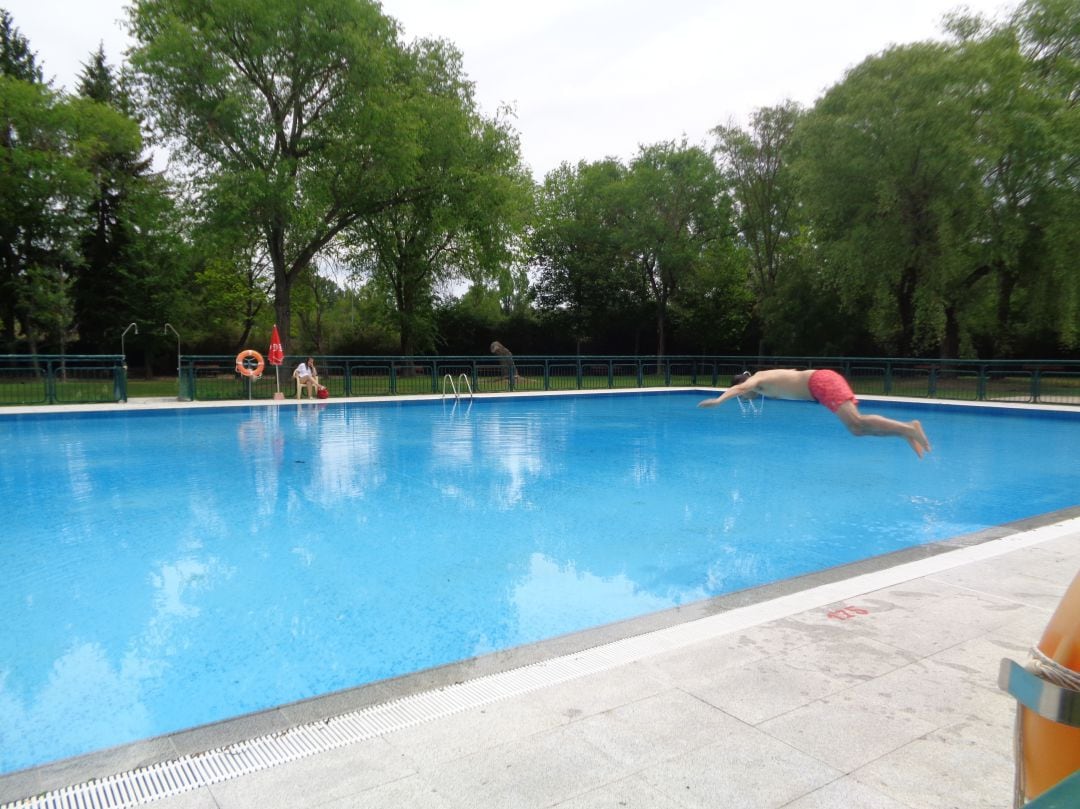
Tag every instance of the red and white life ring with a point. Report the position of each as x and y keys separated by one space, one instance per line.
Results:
x=1051 y=750
x=245 y=366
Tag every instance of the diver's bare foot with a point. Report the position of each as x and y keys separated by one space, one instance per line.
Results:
x=919 y=442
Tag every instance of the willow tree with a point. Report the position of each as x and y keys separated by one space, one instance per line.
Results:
x=299 y=116
x=1043 y=146
x=889 y=162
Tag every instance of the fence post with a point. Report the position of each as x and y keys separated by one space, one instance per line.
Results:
x=980 y=393
x=579 y=372
x=50 y=384
x=121 y=381
x=118 y=385
x=1035 y=384
x=187 y=386
x=931 y=387
x=888 y=378
x=393 y=378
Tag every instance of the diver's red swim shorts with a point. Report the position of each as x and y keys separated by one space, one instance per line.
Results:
x=831 y=389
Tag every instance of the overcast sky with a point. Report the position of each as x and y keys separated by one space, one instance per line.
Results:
x=596 y=78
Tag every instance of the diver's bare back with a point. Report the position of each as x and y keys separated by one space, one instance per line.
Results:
x=783 y=383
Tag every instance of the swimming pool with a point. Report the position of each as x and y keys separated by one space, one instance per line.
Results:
x=166 y=569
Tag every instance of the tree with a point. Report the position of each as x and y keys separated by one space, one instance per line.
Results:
x=616 y=243
x=756 y=166
x=298 y=115
x=1046 y=134
x=320 y=295
x=461 y=212
x=675 y=215
x=577 y=248
x=1018 y=155
x=234 y=275
x=48 y=149
x=17 y=62
x=16 y=59
x=108 y=292
x=888 y=162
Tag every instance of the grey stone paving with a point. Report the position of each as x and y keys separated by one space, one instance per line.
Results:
x=892 y=708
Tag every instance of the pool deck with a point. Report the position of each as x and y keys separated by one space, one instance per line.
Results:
x=874 y=691
x=871 y=686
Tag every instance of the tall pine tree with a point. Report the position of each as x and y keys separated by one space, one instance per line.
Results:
x=104 y=298
x=19 y=63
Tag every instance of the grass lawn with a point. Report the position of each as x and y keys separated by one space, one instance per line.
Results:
x=140 y=388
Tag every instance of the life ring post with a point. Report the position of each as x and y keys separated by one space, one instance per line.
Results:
x=249 y=363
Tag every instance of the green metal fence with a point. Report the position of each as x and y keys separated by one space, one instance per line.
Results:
x=55 y=380
x=71 y=379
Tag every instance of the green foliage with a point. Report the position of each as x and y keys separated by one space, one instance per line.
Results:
x=756 y=166
x=459 y=216
x=714 y=308
x=16 y=59
x=232 y=294
x=612 y=240
x=128 y=255
x=889 y=164
x=577 y=250
x=934 y=176
x=294 y=115
x=1048 y=35
x=676 y=216
x=330 y=177
x=50 y=148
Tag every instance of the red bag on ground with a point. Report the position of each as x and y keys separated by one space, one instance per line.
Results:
x=323 y=393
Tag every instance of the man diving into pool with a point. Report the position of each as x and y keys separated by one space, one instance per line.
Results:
x=828 y=388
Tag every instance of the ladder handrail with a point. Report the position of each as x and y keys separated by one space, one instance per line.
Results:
x=457 y=389
x=468 y=384
x=450 y=379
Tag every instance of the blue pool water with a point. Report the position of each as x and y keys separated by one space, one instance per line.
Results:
x=161 y=570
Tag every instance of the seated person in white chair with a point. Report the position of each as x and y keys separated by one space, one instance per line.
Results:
x=307 y=375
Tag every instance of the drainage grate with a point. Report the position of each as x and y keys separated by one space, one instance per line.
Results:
x=184 y=774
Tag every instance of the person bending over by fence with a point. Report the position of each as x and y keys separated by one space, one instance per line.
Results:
x=307 y=375
x=828 y=388
x=506 y=359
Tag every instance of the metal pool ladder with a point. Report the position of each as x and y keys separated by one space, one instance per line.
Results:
x=458 y=389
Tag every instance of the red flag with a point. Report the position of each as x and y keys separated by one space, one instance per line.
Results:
x=276 y=355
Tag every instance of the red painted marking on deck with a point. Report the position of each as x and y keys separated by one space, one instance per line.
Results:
x=846 y=612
